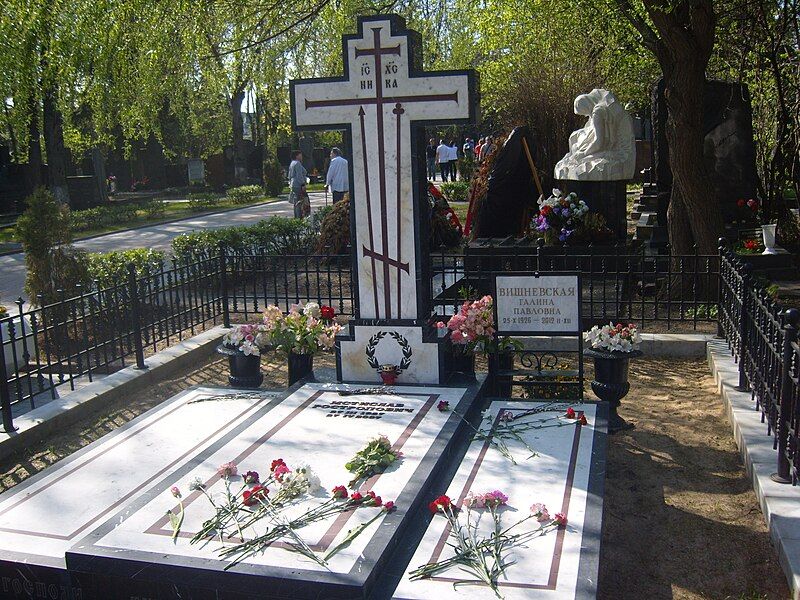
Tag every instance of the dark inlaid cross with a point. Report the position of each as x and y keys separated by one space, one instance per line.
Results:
x=380 y=87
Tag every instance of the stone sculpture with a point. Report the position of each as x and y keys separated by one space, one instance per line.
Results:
x=605 y=148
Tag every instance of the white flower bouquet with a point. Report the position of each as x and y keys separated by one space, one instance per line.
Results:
x=614 y=338
x=249 y=339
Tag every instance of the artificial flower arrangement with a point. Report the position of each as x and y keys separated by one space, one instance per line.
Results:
x=473 y=328
x=306 y=329
x=485 y=555
x=614 y=338
x=749 y=246
x=249 y=339
x=565 y=217
x=248 y=499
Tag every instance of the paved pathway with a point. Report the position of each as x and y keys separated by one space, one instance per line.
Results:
x=158 y=237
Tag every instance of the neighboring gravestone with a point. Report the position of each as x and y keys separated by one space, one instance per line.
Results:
x=728 y=149
x=382 y=100
x=196 y=171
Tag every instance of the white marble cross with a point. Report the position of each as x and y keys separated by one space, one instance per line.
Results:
x=377 y=100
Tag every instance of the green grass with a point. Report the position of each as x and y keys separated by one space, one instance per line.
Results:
x=311 y=187
x=460 y=208
x=172 y=212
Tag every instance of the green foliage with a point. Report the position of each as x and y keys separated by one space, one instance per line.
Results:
x=245 y=194
x=153 y=208
x=466 y=166
x=99 y=217
x=108 y=269
x=274 y=177
x=53 y=265
x=702 y=312
x=201 y=201
x=275 y=236
x=455 y=191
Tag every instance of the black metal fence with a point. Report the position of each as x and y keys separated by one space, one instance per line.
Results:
x=65 y=344
x=656 y=291
x=763 y=339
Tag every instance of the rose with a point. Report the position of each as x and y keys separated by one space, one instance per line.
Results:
x=339 y=492
x=443 y=406
x=583 y=420
x=442 y=503
x=251 y=477
x=252 y=496
x=388 y=506
x=327 y=312
x=373 y=499
x=570 y=413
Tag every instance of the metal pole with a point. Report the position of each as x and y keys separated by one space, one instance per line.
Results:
x=721 y=245
x=223 y=267
x=5 y=393
x=133 y=290
x=744 y=386
x=791 y=321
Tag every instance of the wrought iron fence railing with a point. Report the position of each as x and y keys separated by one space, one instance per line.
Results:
x=763 y=339
x=64 y=344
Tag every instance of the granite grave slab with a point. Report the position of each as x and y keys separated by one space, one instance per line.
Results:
x=566 y=476
x=316 y=426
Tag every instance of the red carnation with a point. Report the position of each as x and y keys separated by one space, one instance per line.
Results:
x=571 y=413
x=583 y=420
x=327 y=312
x=356 y=497
x=376 y=500
x=252 y=496
x=339 y=492
x=389 y=506
x=442 y=503
x=276 y=463
x=546 y=210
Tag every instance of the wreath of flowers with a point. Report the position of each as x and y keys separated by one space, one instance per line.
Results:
x=401 y=341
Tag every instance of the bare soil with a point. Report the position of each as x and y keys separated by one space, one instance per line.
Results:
x=680 y=521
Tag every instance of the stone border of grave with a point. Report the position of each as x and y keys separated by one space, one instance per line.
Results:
x=780 y=503
x=43 y=421
x=37 y=424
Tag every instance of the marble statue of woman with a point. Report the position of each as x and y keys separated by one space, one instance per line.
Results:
x=605 y=148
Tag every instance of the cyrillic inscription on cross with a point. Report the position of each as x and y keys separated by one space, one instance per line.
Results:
x=378 y=99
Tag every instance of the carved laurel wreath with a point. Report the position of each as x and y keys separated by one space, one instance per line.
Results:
x=401 y=341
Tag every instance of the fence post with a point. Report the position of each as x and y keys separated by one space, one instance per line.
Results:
x=5 y=394
x=721 y=245
x=744 y=386
x=223 y=267
x=136 y=317
x=791 y=320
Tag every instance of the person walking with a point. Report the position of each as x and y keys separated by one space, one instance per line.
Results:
x=443 y=159
x=298 y=177
x=338 y=178
x=478 y=147
x=453 y=160
x=469 y=149
x=487 y=148
x=430 y=156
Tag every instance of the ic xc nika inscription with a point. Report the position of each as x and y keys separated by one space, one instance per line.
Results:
x=354 y=409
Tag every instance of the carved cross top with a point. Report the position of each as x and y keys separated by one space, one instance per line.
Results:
x=377 y=100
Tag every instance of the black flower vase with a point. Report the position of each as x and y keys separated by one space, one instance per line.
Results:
x=462 y=361
x=611 y=382
x=300 y=366
x=245 y=371
x=501 y=384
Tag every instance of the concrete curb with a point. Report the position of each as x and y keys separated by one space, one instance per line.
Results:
x=37 y=424
x=780 y=503
x=686 y=345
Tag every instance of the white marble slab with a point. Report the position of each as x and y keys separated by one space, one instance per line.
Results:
x=47 y=514
x=314 y=426
x=560 y=564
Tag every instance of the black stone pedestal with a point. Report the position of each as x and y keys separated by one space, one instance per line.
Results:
x=605 y=197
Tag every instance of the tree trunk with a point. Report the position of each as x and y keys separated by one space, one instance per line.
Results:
x=237 y=123
x=54 y=143
x=34 y=147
